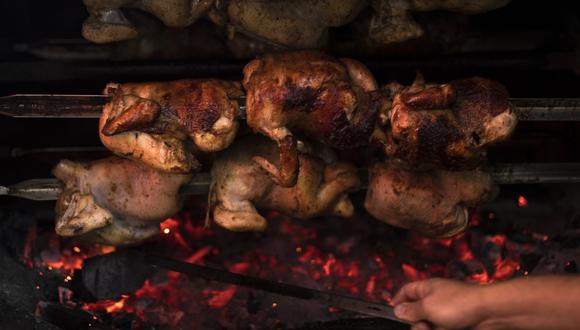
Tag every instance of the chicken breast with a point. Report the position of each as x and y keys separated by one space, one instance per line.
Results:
x=240 y=187
x=163 y=123
x=433 y=203
x=450 y=125
x=114 y=200
x=333 y=101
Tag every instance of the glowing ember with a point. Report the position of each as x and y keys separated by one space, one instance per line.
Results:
x=522 y=201
x=220 y=299
x=354 y=258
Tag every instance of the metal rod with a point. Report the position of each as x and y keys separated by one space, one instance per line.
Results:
x=533 y=173
x=284 y=289
x=90 y=106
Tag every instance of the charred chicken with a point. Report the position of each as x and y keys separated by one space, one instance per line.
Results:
x=447 y=125
x=163 y=123
x=332 y=101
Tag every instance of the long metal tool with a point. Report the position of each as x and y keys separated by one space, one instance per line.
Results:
x=533 y=173
x=90 y=106
x=288 y=290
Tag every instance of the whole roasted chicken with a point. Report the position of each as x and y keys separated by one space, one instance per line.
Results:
x=433 y=203
x=333 y=101
x=447 y=125
x=240 y=187
x=115 y=201
x=163 y=123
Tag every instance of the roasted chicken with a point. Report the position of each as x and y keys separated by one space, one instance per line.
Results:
x=432 y=203
x=240 y=186
x=332 y=101
x=107 y=22
x=447 y=125
x=301 y=24
x=115 y=201
x=163 y=123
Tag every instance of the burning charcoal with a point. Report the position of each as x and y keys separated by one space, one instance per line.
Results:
x=467 y=270
x=111 y=275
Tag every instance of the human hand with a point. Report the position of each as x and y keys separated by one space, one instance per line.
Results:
x=439 y=304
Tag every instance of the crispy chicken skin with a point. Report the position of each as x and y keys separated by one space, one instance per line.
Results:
x=162 y=123
x=433 y=203
x=333 y=101
x=114 y=200
x=448 y=125
x=240 y=186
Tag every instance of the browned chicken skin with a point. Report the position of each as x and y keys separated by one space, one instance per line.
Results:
x=240 y=186
x=114 y=200
x=311 y=94
x=162 y=123
x=433 y=203
x=448 y=125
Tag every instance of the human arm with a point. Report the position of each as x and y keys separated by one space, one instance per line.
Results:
x=546 y=302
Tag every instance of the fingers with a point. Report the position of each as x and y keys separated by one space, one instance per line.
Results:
x=411 y=292
x=412 y=312
x=421 y=326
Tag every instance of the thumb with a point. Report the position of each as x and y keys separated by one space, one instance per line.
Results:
x=412 y=312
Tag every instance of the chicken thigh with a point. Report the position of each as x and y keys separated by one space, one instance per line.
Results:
x=432 y=203
x=114 y=200
x=448 y=125
x=332 y=101
x=240 y=186
x=162 y=123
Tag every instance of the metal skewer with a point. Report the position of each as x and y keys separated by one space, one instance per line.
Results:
x=90 y=106
x=534 y=173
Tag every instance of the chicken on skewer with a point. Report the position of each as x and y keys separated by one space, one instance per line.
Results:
x=306 y=93
x=449 y=125
x=163 y=123
x=240 y=186
x=433 y=203
x=115 y=201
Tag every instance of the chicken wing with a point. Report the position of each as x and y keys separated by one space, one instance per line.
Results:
x=114 y=200
x=332 y=101
x=240 y=186
x=162 y=123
